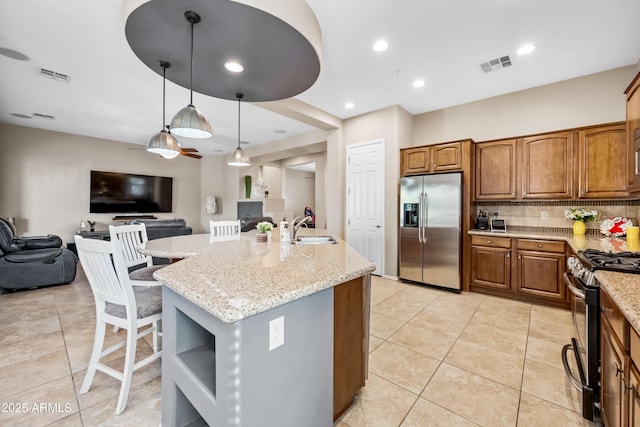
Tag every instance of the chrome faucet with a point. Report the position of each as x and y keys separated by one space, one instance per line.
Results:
x=293 y=227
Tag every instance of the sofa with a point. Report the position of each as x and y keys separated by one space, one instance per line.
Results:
x=159 y=228
x=31 y=262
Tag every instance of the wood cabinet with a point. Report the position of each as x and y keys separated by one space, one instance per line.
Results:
x=602 y=162
x=581 y=163
x=446 y=157
x=633 y=134
x=415 y=161
x=534 y=274
x=491 y=262
x=547 y=166
x=495 y=174
x=614 y=363
x=432 y=158
x=350 y=336
x=540 y=265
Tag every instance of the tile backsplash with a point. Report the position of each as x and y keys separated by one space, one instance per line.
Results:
x=531 y=214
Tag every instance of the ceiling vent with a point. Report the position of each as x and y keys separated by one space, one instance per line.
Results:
x=43 y=116
x=495 y=64
x=54 y=75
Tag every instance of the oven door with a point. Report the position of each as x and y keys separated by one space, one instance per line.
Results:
x=584 y=344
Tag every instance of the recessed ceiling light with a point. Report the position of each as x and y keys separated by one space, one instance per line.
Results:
x=527 y=48
x=418 y=83
x=349 y=105
x=380 y=46
x=280 y=131
x=234 y=66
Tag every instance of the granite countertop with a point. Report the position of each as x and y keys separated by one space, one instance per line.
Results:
x=577 y=243
x=236 y=279
x=624 y=290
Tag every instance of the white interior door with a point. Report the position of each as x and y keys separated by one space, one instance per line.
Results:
x=365 y=201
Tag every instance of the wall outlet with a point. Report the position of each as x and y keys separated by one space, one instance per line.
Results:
x=544 y=214
x=276 y=333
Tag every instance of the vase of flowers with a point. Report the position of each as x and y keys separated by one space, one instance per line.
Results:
x=580 y=216
x=264 y=231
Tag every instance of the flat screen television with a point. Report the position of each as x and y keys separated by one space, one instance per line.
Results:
x=113 y=192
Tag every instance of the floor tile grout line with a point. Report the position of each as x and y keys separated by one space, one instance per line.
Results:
x=73 y=381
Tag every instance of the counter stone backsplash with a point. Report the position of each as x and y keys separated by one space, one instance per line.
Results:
x=528 y=214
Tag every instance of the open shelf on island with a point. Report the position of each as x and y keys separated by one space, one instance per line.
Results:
x=196 y=348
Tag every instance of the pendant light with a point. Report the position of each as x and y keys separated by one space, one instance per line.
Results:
x=238 y=158
x=189 y=122
x=163 y=142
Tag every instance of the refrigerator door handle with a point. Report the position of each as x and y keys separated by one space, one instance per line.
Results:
x=425 y=222
x=420 y=218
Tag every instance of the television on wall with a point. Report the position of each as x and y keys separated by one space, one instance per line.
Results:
x=113 y=192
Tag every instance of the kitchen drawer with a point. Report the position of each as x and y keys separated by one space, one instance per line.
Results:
x=615 y=318
x=494 y=242
x=634 y=344
x=541 y=245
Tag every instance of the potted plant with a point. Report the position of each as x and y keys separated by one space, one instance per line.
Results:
x=579 y=217
x=264 y=231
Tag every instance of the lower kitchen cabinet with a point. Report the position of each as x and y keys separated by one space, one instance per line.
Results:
x=491 y=262
x=620 y=359
x=613 y=369
x=534 y=274
x=634 y=396
x=540 y=265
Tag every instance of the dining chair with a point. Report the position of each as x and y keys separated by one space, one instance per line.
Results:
x=132 y=236
x=120 y=304
x=227 y=230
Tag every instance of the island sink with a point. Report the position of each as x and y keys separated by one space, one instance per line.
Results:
x=314 y=240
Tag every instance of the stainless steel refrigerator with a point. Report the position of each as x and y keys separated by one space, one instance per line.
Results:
x=430 y=229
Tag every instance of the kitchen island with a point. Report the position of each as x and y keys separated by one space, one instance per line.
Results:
x=261 y=333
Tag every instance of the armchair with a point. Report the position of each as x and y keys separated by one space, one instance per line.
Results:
x=29 y=262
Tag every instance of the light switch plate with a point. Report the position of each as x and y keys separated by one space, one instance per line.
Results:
x=276 y=333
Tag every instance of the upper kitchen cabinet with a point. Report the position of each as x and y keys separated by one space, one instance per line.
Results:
x=496 y=170
x=602 y=162
x=633 y=134
x=446 y=157
x=415 y=161
x=547 y=166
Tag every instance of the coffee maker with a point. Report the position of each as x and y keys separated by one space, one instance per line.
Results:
x=482 y=220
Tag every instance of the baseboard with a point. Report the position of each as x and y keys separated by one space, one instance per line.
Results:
x=386 y=276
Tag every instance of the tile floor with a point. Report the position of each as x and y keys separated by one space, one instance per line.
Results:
x=436 y=359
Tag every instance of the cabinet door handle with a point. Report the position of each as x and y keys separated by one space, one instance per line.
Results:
x=618 y=370
x=508 y=255
x=489 y=242
x=519 y=256
x=539 y=245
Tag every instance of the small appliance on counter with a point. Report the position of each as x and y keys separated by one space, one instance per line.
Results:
x=482 y=220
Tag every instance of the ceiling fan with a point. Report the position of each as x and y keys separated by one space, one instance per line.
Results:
x=189 y=152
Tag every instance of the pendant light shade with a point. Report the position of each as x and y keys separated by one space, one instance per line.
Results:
x=189 y=122
x=238 y=158
x=163 y=142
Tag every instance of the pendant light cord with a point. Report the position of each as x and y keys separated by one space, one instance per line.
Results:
x=164 y=65
x=191 y=79
x=239 y=96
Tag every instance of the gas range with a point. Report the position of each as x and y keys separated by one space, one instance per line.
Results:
x=591 y=260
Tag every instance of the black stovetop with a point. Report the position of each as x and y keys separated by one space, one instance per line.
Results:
x=624 y=262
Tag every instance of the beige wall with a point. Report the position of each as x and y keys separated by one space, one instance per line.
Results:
x=44 y=179
x=393 y=126
x=300 y=192
x=584 y=101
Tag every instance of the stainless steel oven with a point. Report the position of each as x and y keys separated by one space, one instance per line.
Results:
x=585 y=343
